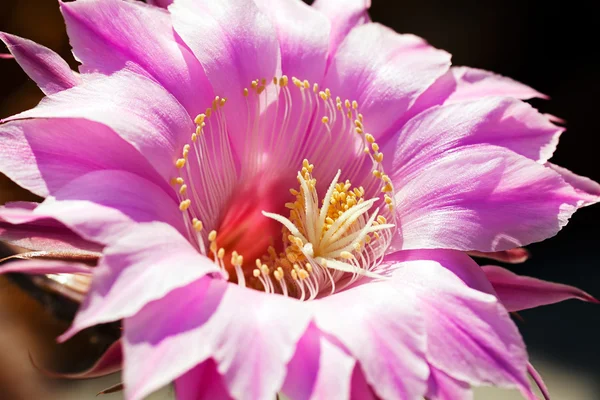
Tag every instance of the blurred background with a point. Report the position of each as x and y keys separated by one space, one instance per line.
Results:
x=549 y=46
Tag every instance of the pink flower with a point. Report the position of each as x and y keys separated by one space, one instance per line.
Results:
x=283 y=197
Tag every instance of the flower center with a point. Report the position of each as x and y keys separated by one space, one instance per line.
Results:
x=323 y=243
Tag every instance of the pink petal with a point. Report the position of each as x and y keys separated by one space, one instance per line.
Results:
x=444 y=387
x=251 y=336
x=49 y=71
x=136 y=108
x=319 y=369
x=42 y=155
x=382 y=328
x=537 y=378
x=588 y=190
x=480 y=197
x=146 y=263
x=40 y=267
x=473 y=84
x=21 y=227
x=303 y=35
x=496 y=121
x=160 y=3
x=522 y=292
x=470 y=336
x=201 y=382
x=102 y=205
x=108 y=34
x=344 y=16
x=109 y=363
x=385 y=72
x=235 y=44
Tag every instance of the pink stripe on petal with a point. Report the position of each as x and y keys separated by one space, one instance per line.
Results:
x=470 y=336
x=43 y=155
x=344 y=15
x=385 y=334
x=385 y=72
x=444 y=387
x=249 y=334
x=49 y=71
x=480 y=197
x=146 y=263
x=103 y=205
x=303 y=35
x=236 y=44
x=100 y=32
x=201 y=382
x=522 y=292
x=157 y=128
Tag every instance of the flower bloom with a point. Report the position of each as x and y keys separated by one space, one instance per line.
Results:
x=283 y=198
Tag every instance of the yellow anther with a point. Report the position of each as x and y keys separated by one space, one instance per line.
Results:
x=194 y=137
x=381 y=219
x=223 y=101
x=240 y=260
x=297 y=82
x=174 y=181
x=256 y=273
x=254 y=84
x=277 y=275
x=221 y=253
x=360 y=117
x=359 y=131
x=356 y=246
x=388 y=199
x=325 y=120
x=347 y=103
x=199 y=119
x=323 y=95
x=180 y=163
x=208 y=112
x=302 y=274
x=265 y=269
x=354 y=104
x=183 y=189
x=316 y=88
x=375 y=147
x=186 y=150
x=308 y=267
x=306 y=84
x=283 y=81
x=346 y=255
x=197 y=225
x=184 y=205
x=377 y=174
x=294 y=275
x=212 y=236
x=358 y=124
x=294 y=192
x=387 y=188
x=328 y=93
x=378 y=157
x=246 y=92
x=367 y=150
x=213 y=247
x=370 y=138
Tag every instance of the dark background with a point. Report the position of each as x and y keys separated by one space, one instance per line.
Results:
x=549 y=46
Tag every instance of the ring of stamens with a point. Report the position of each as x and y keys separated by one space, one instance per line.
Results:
x=326 y=244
